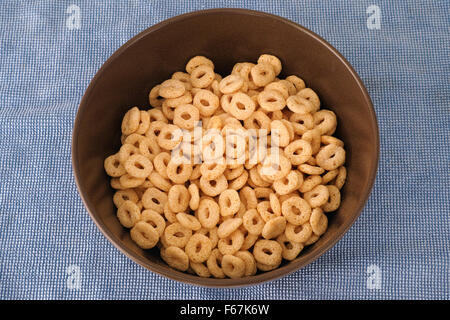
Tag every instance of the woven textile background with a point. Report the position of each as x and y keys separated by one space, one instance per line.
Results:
x=397 y=249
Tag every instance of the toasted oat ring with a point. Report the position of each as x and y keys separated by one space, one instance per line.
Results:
x=299 y=105
x=271 y=100
x=154 y=199
x=213 y=187
x=329 y=176
x=196 y=61
x=280 y=135
x=318 y=221
x=175 y=258
x=153 y=97
x=310 y=95
x=170 y=137
x=287 y=184
x=249 y=239
x=267 y=252
x=145 y=235
x=123 y=195
x=169 y=105
x=312 y=239
x=200 y=269
x=318 y=196
x=134 y=139
x=179 y=173
x=194 y=197
x=212 y=170
x=297 y=82
x=130 y=122
x=290 y=129
x=258 y=120
x=313 y=137
x=113 y=167
x=275 y=204
x=232 y=243
x=206 y=102
x=214 y=264
x=325 y=139
x=172 y=88
x=274 y=227
x=301 y=122
x=155 y=220
x=149 y=148
x=253 y=222
x=233 y=173
x=263 y=193
x=156 y=180
x=144 y=122
x=227 y=227
x=296 y=210
x=233 y=267
x=248 y=197
x=154 y=129
x=272 y=60
x=185 y=78
x=309 y=169
x=128 y=214
x=331 y=157
x=239 y=182
x=198 y=248
x=325 y=121
x=177 y=235
x=186 y=116
x=241 y=106
x=275 y=169
x=211 y=234
x=127 y=181
x=262 y=74
x=265 y=267
x=188 y=221
x=249 y=260
x=334 y=200
x=138 y=166
x=160 y=163
x=115 y=184
x=341 y=177
x=156 y=114
x=125 y=151
x=298 y=233
x=231 y=83
x=178 y=198
x=278 y=86
x=309 y=183
x=202 y=76
x=229 y=202
x=290 y=249
x=256 y=178
x=208 y=213
x=265 y=210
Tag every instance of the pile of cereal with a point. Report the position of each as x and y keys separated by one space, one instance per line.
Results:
x=228 y=209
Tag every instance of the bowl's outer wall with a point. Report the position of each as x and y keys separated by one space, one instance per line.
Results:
x=226 y=37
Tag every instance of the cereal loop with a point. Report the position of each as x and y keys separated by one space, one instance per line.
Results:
x=267 y=252
x=233 y=267
x=198 y=248
x=296 y=210
x=145 y=235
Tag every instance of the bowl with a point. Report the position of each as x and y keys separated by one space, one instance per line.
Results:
x=226 y=36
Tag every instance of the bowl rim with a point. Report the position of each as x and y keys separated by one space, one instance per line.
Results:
x=211 y=282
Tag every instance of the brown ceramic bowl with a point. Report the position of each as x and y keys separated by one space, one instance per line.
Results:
x=226 y=36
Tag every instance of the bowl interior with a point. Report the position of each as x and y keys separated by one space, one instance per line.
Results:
x=226 y=36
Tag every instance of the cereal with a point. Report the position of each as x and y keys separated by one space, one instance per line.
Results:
x=228 y=176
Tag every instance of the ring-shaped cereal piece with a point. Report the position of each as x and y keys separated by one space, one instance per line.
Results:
x=115 y=184
x=265 y=211
x=275 y=204
x=188 y=221
x=313 y=137
x=272 y=60
x=149 y=148
x=198 y=248
x=179 y=173
x=200 y=269
x=274 y=227
x=211 y=234
x=334 y=200
x=299 y=105
x=290 y=249
x=228 y=226
x=113 y=167
x=233 y=173
x=198 y=61
x=287 y=184
x=229 y=202
x=178 y=198
x=212 y=170
x=310 y=183
x=156 y=114
x=144 y=123
x=233 y=267
x=298 y=83
x=267 y=252
x=309 y=169
x=177 y=235
x=155 y=129
x=296 y=210
x=125 y=151
x=275 y=167
x=145 y=235
x=186 y=116
x=298 y=233
x=278 y=86
x=253 y=222
x=154 y=219
x=271 y=100
x=128 y=214
x=127 y=181
x=154 y=98
x=241 y=106
x=213 y=187
x=249 y=239
x=262 y=74
x=318 y=196
x=258 y=120
x=185 y=78
x=170 y=137
x=138 y=166
x=329 y=176
x=280 y=135
x=175 y=258
x=232 y=243
x=312 y=239
x=214 y=264
x=123 y=195
x=202 y=76
x=325 y=121
x=206 y=102
x=208 y=213
x=160 y=163
x=248 y=197
x=290 y=129
x=310 y=95
x=239 y=182
x=324 y=139
x=194 y=197
x=331 y=157
x=231 y=84
x=154 y=199
x=318 y=221
x=301 y=122
x=249 y=260
x=130 y=122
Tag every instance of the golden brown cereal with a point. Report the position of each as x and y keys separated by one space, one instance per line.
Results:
x=231 y=84
x=330 y=175
x=170 y=137
x=267 y=252
x=128 y=214
x=241 y=106
x=198 y=248
x=280 y=133
x=298 y=233
x=229 y=202
x=211 y=234
x=331 y=140
x=312 y=239
x=296 y=210
x=299 y=105
x=239 y=182
x=123 y=195
x=158 y=181
x=154 y=199
x=153 y=97
x=194 y=197
x=253 y=222
x=172 y=88
x=130 y=122
x=248 y=197
x=227 y=227
x=185 y=78
x=126 y=151
x=155 y=129
x=144 y=234
x=262 y=74
x=213 y=187
x=325 y=121
x=188 y=221
x=232 y=243
x=202 y=76
x=272 y=60
x=290 y=249
x=113 y=167
x=301 y=122
x=287 y=184
x=149 y=148
x=177 y=235
x=310 y=95
x=178 y=198
x=313 y=137
x=206 y=102
x=175 y=257
x=297 y=82
x=179 y=173
x=309 y=169
x=274 y=227
x=208 y=213
x=154 y=219
x=212 y=170
x=232 y=266
x=186 y=116
x=214 y=264
x=334 y=200
x=138 y=166
x=341 y=177
x=249 y=260
x=127 y=181
x=271 y=100
x=318 y=221
x=309 y=183
x=249 y=239
x=318 y=196
x=275 y=204
x=200 y=269
x=331 y=157
x=198 y=61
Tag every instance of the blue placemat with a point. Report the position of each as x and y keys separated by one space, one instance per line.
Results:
x=50 y=248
